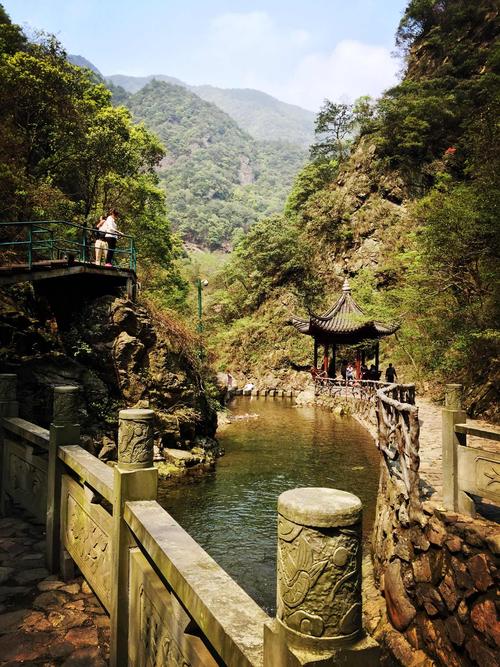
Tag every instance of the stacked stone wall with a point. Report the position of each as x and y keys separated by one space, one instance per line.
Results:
x=439 y=575
x=439 y=579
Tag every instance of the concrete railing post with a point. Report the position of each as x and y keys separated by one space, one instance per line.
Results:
x=318 y=618
x=452 y=414
x=64 y=430
x=9 y=407
x=135 y=478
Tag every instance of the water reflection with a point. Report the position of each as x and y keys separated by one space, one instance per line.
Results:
x=231 y=511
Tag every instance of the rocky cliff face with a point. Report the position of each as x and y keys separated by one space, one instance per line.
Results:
x=120 y=354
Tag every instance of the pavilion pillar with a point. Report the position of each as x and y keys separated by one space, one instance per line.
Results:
x=315 y=353
x=377 y=354
x=334 y=359
x=325 y=358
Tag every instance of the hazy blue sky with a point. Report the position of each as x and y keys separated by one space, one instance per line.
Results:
x=301 y=51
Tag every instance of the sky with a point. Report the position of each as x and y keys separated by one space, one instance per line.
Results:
x=300 y=51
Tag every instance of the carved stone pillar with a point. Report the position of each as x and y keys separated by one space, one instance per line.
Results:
x=66 y=404
x=64 y=430
x=318 y=618
x=135 y=439
x=319 y=567
x=8 y=403
x=135 y=479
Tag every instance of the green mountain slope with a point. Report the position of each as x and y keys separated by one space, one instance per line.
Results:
x=133 y=84
x=217 y=178
x=412 y=214
x=261 y=115
x=264 y=117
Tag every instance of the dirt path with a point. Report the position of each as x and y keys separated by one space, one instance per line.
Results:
x=45 y=621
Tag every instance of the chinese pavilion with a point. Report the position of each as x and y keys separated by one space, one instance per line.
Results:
x=344 y=323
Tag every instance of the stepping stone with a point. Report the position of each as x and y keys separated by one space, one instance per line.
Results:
x=72 y=589
x=21 y=646
x=48 y=585
x=80 y=637
x=50 y=600
x=85 y=657
x=12 y=620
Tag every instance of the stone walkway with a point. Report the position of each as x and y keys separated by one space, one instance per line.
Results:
x=431 y=449
x=44 y=621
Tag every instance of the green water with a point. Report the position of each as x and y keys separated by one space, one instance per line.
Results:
x=231 y=511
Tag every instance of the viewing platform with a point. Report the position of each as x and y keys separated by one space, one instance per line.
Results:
x=49 y=251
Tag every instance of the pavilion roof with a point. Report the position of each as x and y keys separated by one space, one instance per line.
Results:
x=344 y=322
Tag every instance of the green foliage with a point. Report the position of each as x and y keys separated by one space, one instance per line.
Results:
x=437 y=267
x=218 y=180
x=337 y=126
x=67 y=152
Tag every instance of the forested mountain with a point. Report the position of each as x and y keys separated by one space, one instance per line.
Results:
x=261 y=115
x=80 y=61
x=132 y=84
x=264 y=117
x=217 y=178
x=410 y=207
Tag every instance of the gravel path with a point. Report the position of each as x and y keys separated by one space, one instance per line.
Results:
x=44 y=621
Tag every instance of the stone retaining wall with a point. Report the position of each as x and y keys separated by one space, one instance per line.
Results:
x=439 y=579
x=439 y=575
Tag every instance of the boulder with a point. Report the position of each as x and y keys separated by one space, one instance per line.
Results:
x=400 y=610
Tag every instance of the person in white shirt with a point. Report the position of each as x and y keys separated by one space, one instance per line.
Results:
x=101 y=247
x=111 y=233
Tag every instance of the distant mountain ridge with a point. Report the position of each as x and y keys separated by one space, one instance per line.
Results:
x=218 y=179
x=263 y=116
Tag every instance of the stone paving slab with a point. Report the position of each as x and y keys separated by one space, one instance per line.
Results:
x=431 y=472
x=45 y=621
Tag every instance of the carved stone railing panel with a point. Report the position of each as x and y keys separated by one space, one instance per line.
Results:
x=160 y=631
x=25 y=477
x=86 y=534
x=398 y=440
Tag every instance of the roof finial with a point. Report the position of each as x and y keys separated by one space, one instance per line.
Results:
x=346 y=287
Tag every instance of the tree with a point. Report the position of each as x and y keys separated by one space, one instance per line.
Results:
x=333 y=129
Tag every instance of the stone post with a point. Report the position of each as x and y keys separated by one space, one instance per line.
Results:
x=452 y=414
x=135 y=478
x=64 y=430
x=318 y=618
x=9 y=407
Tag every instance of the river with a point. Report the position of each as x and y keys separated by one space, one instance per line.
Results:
x=231 y=511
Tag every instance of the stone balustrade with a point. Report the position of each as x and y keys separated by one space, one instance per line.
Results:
x=168 y=601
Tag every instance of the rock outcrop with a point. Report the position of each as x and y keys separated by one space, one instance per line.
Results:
x=120 y=353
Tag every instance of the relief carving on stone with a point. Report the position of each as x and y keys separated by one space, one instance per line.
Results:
x=135 y=441
x=159 y=649
x=66 y=404
x=26 y=477
x=319 y=579
x=488 y=476
x=89 y=545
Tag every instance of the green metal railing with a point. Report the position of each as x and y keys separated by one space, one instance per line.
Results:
x=49 y=240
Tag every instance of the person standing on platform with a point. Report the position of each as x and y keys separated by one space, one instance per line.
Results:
x=111 y=234
x=101 y=247
x=390 y=374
